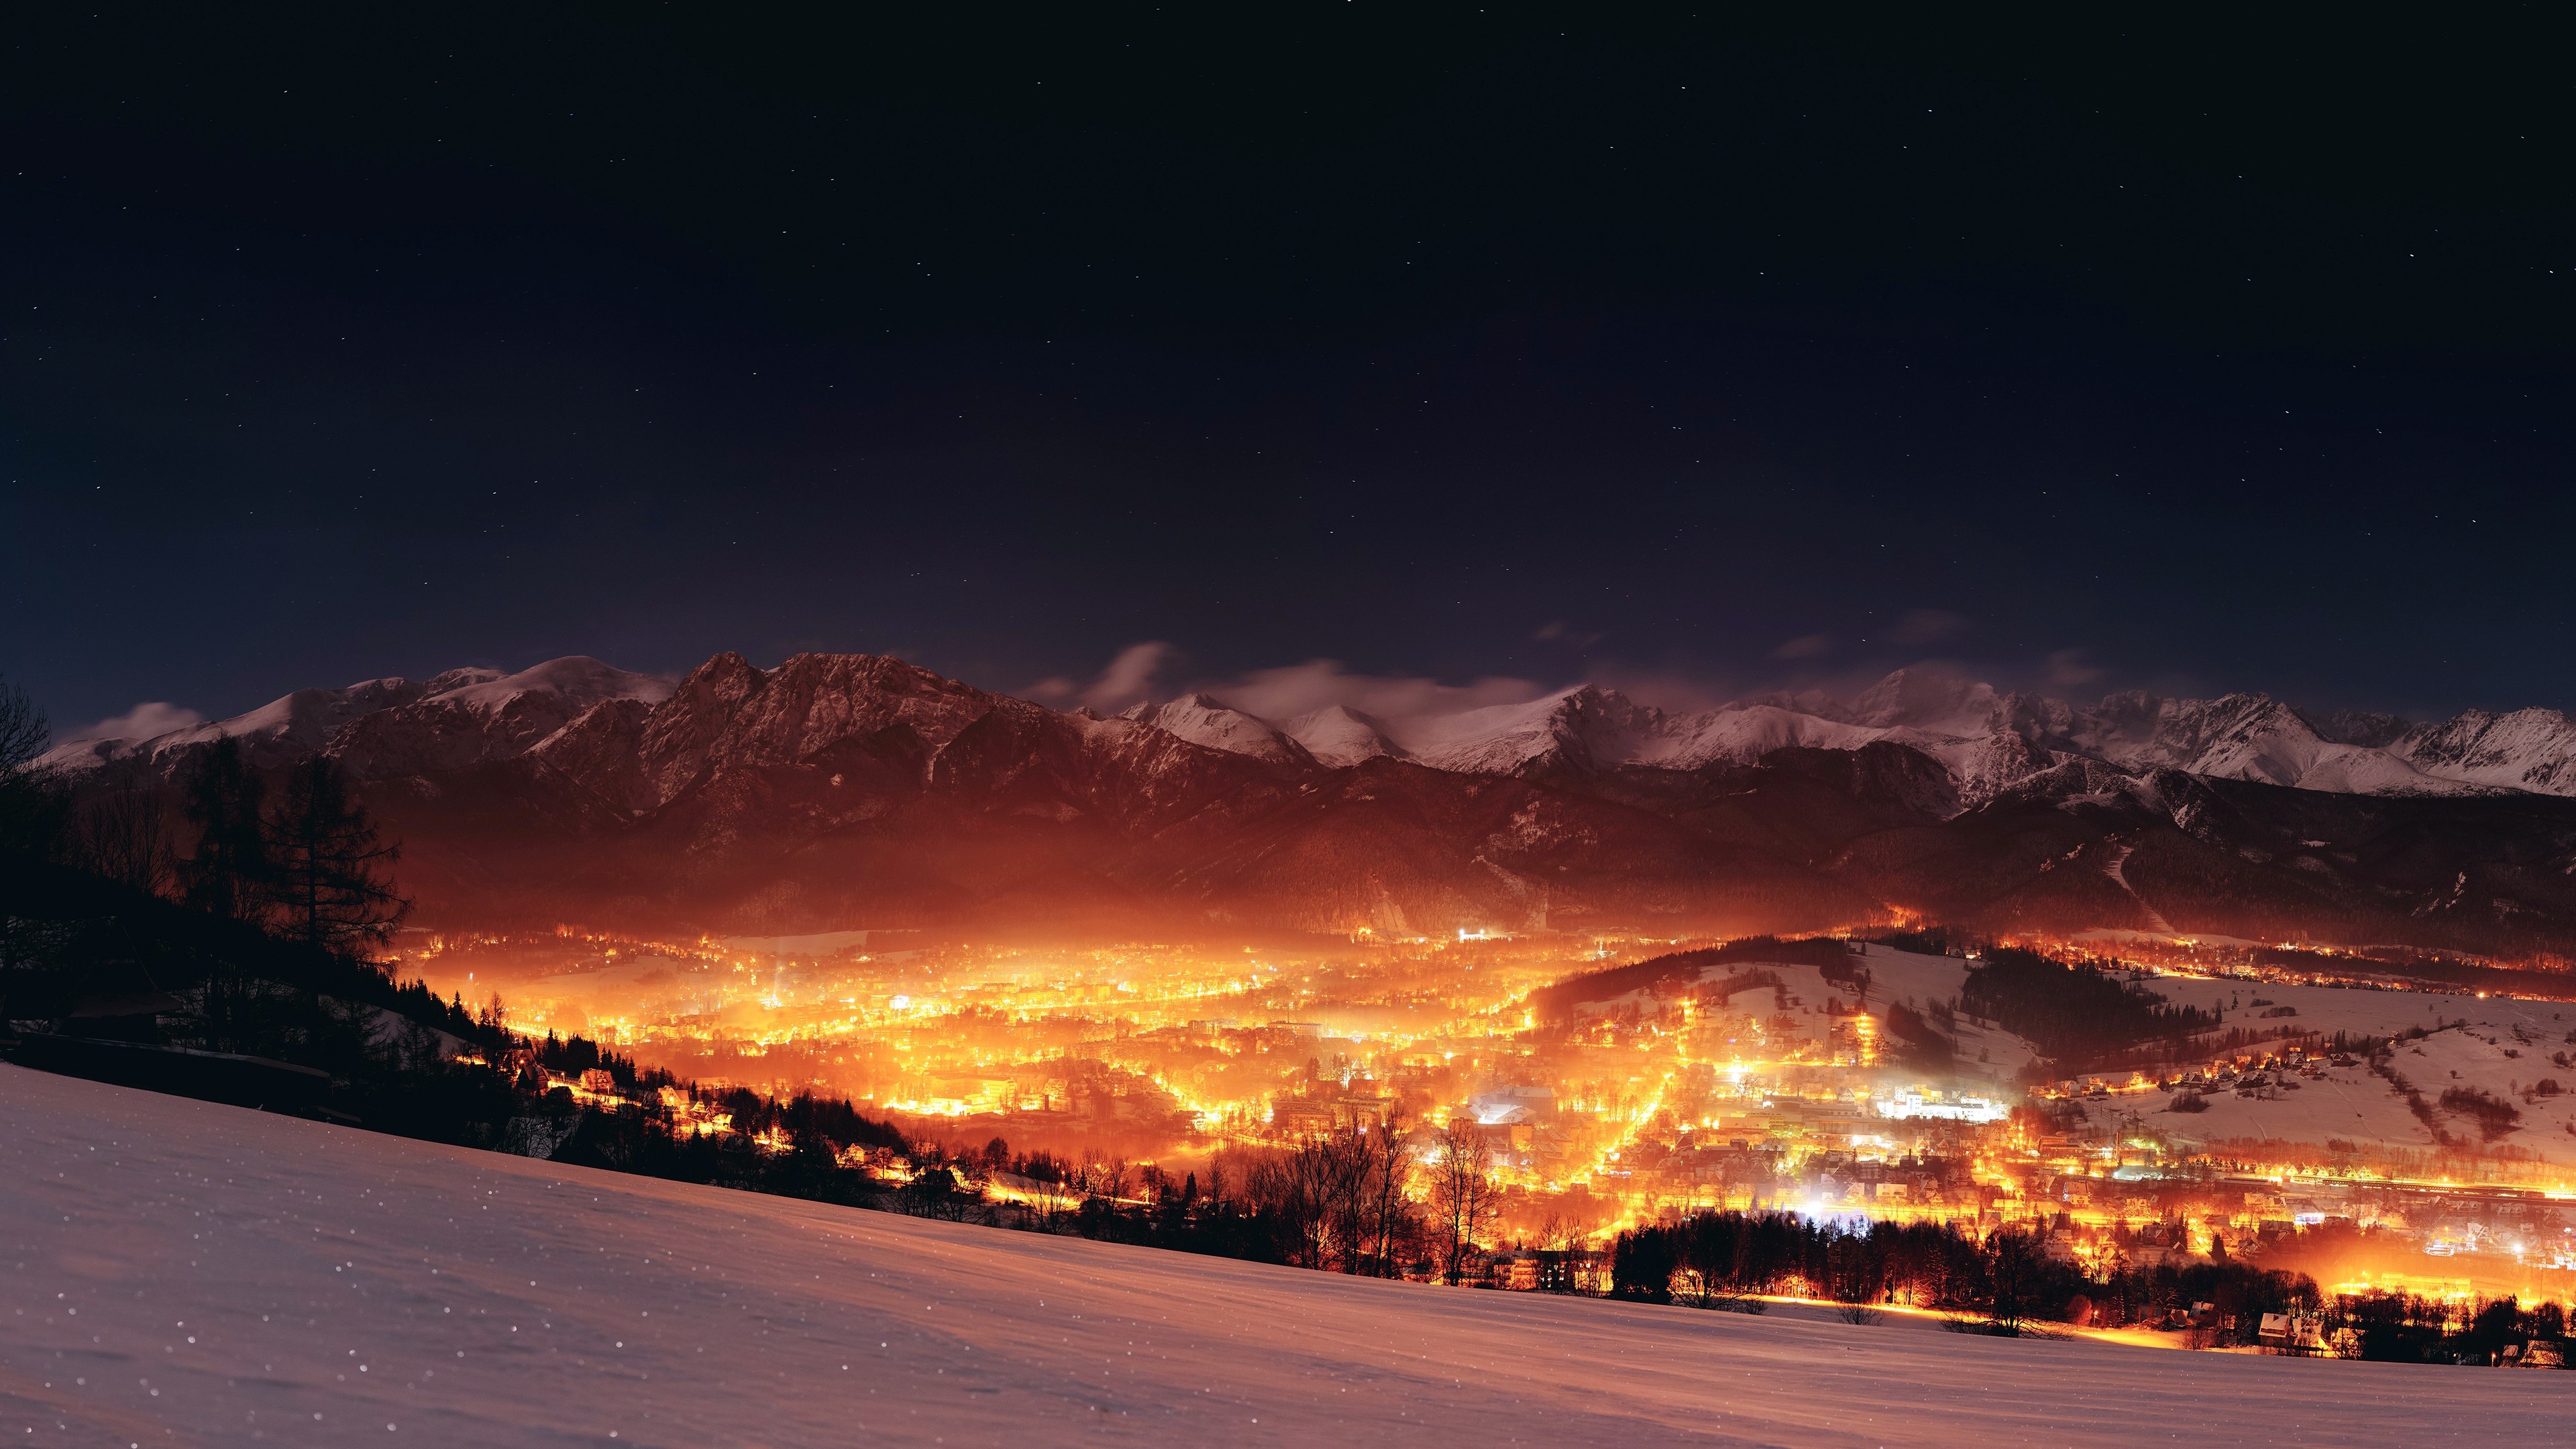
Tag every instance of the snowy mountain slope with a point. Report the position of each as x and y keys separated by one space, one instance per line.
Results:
x=1987 y=740
x=278 y=732
x=1927 y=700
x=202 y=1274
x=729 y=716
x=2250 y=737
x=1578 y=728
x=2528 y=749
x=2491 y=1048
x=1338 y=735
x=577 y=679
x=2361 y=727
x=2237 y=736
x=1209 y=722
x=1588 y=728
x=486 y=718
x=1746 y=734
x=457 y=718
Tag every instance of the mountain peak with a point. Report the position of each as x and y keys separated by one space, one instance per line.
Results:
x=1338 y=735
x=575 y=677
x=1203 y=720
x=1934 y=701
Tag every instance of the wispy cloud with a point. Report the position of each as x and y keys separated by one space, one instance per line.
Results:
x=1408 y=707
x=1129 y=678
x=142 y=722
x=1394 y=700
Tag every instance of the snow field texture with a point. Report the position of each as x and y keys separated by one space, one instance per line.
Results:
x=185 y=1273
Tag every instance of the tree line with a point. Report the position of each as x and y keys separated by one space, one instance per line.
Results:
x=1369 y=1196
x=2004 y=1281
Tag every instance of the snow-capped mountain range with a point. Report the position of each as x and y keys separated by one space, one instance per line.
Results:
x=841 y=790
x=1986 y=740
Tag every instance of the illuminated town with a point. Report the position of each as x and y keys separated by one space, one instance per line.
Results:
x=1598 y=727
x=1749 y=1083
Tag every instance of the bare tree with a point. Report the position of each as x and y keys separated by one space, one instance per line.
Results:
x=23 y=729
x=125 y=836
x=1290 y=1186
x=30 y=805
x=1560 y=1233
x=1464 y=1202
x=1392 y=1218
x=1346 y=1176
x=29 y=821
x=1341 y=1194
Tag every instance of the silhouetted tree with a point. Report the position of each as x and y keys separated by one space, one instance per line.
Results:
x=2015 y=1265
x=1463 y=1199
x=231 y=872
x=1341 y=1194
x=1390 y=1216
x=332 y=891
x=125 y=836
x=31 y=806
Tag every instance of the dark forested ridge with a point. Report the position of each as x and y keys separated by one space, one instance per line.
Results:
x=1833 y=957
x=2071 y=1011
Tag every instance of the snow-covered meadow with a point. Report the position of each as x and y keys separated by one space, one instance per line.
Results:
x=184 y=1273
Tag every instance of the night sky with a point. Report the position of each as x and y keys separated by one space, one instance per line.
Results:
x=1690 y=354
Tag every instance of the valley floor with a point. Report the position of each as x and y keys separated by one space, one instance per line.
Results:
x=183 y=1273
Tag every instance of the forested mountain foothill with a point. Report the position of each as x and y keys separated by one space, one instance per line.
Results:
x=223 y=954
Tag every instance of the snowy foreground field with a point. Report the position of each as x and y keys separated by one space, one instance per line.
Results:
x=182 y=1273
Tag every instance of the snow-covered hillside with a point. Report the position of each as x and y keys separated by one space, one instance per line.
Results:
x=188 y=1273
x=2494 y=1044
x=2499 y=1045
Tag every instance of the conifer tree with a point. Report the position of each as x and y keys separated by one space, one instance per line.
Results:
x=232 y=871
x=332 y=888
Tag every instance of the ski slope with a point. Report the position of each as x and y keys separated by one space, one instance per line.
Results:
x=182 y=1273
